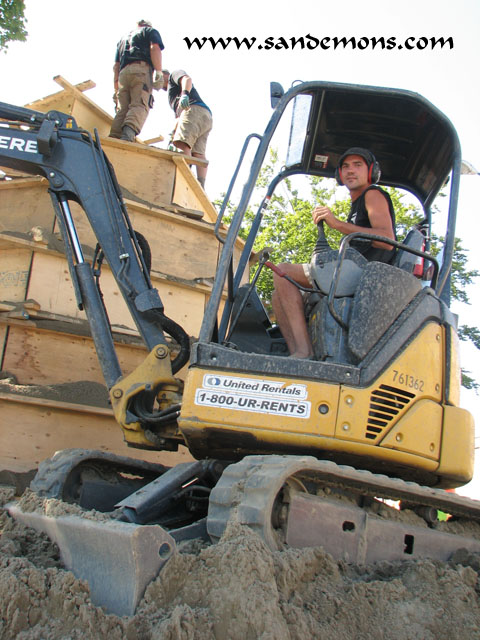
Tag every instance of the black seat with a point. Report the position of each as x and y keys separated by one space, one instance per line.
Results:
x=405 y=260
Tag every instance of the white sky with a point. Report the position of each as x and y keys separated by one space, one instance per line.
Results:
x=77 y=41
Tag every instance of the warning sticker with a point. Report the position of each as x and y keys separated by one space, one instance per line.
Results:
x=257 y=396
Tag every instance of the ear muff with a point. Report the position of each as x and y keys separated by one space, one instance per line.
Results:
x=374 y=171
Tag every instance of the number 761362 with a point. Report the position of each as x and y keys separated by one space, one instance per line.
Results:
x=407 y=380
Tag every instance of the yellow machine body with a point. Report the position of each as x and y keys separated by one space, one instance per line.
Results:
x=403 y=421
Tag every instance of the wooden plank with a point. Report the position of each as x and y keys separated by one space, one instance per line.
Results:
x=188 y=192
x=41 y=357
x=158 y=138
x=31 y=432
x=14 y=270
x=80 y=86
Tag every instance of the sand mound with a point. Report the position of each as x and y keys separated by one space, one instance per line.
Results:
x=239 y=589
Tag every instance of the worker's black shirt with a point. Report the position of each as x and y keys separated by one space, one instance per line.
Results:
x=175 y=91
x=359 y=215
x=136 y=46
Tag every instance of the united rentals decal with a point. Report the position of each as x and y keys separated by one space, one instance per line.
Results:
x=257 y=396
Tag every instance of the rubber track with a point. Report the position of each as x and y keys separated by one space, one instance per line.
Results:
x=247 y=489
x=53 y=472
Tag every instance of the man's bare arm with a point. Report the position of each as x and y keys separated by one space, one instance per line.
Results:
x=156 y=56
x=116 y=72
x=378 y=214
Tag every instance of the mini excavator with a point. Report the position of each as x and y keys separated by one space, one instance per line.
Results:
x=301 y=451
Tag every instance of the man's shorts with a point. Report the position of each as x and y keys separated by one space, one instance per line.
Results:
x=194 y=125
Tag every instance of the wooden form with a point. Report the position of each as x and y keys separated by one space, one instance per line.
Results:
x=34 y=428
x=44 y=337
x=31 y=270
x=75 y=103
x=158 y=177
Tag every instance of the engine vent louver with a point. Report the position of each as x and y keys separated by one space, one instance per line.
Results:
x=385 y=404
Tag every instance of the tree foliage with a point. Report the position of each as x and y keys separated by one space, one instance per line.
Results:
x=287 y=229
x=12 y=22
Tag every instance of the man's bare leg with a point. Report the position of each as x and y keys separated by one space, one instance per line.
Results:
x=287 y=302
x=201 y=169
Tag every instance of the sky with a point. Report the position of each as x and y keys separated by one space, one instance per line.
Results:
x=77 y=40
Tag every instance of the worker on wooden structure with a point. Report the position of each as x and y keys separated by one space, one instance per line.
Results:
x=194 y=118
x=138 y=56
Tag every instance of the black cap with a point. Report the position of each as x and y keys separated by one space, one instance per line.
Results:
x=358 y=151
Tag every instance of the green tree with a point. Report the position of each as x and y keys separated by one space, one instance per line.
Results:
x=12 y=22
x=287 y=229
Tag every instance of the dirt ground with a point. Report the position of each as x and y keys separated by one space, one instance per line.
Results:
x=240 y=590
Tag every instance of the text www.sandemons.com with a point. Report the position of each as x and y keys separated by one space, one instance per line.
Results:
x=326 y=43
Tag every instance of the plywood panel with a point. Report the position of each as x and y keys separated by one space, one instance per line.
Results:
x=31 y=432
x=144 y=171
x=184 y=306
x=180 y=247
x=24 y=204
x=51 y=287
x=90 y=119
x=14 y=269
x=188 y=192
x=42 y=357
x=184 y=195
x=61 y=101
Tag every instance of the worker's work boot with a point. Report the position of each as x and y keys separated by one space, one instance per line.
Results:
x=128 y=133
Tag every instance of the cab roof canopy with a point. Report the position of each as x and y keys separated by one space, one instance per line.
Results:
x=416 y=145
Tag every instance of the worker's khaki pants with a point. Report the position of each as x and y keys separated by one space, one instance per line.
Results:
x=134 y=98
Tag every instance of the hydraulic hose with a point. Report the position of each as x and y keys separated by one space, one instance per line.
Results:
x=179 y=334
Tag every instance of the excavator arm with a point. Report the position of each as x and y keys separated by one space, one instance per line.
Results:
x=53 y=146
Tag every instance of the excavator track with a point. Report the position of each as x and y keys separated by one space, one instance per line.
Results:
x=300 y=501
x=91 y=478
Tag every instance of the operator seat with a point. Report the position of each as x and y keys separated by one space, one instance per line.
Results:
x=405 y=260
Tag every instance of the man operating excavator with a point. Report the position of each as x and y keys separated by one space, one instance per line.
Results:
x=371 y=212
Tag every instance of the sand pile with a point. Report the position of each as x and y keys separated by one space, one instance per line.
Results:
x=240 y=590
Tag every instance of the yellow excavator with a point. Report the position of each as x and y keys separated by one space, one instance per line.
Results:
x=303 y=451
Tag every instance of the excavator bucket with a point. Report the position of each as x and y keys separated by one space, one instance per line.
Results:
x=117 y=559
